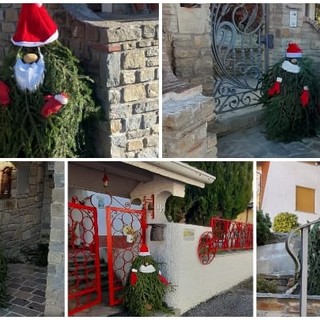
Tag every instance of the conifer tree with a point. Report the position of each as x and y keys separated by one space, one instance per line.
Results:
x=314 y=260
x=33 y=123
x=146 y=286
x=226 y=197
x=289 y=94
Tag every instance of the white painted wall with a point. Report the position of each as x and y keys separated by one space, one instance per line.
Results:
x=195 y=282
x=280 y=190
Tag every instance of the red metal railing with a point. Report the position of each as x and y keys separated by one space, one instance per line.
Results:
x=226 y=235
x=121 y=250
x=84 y=287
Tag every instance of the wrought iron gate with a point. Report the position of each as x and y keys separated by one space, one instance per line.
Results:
x=240 y=49
x=125 y=231
x=83 y=258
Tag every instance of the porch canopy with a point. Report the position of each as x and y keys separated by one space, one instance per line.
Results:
x=124 y=177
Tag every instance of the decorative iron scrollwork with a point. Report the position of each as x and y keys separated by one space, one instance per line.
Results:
x=238 y=54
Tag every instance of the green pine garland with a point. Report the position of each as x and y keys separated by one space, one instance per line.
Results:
x=3 y=275
x=286 y=120
x=146 y=296
x=25 y=133
x=314 y=260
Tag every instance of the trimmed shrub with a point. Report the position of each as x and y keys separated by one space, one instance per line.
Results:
x=263 y=228
x=285 y=222
x=266 y=286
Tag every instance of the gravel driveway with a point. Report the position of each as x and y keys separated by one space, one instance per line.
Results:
x=235 y=302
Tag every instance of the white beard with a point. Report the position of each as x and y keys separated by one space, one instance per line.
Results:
x=289 y=67
x=147 y=269
x=29 y=76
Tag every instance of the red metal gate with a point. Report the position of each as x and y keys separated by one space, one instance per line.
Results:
x=126 y=230
x=84 y=283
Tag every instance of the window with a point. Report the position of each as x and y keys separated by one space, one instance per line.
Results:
x=312 y=10
x=5 y=182
x=317 y=12
x=23 y=173
x=305 y=199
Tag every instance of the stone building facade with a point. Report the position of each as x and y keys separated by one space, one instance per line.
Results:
x=121 y=54
x=187 y=32
x=188 y=37
x=21 y=214
x=306 y=32
x=32 y=214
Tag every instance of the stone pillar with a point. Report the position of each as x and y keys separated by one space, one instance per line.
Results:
x=188 y=34
x=186 y=113
x=122 y=56
x=55 y=278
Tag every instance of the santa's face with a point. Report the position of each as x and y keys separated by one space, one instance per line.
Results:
x=147 y=268
x=291 y=66
x=29 y=76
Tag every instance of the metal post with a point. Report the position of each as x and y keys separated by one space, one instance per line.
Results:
x=304 y=272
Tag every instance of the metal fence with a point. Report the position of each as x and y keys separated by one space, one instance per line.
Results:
x=226 y=235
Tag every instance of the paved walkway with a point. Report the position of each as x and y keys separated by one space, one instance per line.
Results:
x=26 y=287
x=251 y=143
x=235 y=302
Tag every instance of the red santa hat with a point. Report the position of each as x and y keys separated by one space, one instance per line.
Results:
x=293 y=51
x=35 y=27
x=144 y=250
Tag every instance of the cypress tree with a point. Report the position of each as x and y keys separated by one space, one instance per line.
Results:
x=226 y=197
x=314 y=260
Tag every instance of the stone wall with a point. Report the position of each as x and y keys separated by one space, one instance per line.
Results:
x=122 y=58
x=20 y=215
x=55 y=278
x=277 y=305
x=304 y=34
x=187 y=33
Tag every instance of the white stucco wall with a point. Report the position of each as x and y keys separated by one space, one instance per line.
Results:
x=195 y=282
x=280 y=190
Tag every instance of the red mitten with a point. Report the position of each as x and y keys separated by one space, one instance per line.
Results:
x=133 y=277
x=305 y=97
x=163 y=279
x=4 y=94
x=54 y=104
x=275 y=88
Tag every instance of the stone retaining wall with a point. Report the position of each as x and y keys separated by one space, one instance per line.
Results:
x=277 y=305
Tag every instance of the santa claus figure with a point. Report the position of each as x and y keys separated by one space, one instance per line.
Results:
x=40 y=76
x=289 y=95
x=35 y=28
x=146 y=286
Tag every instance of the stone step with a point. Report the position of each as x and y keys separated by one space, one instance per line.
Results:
x=238 y=120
